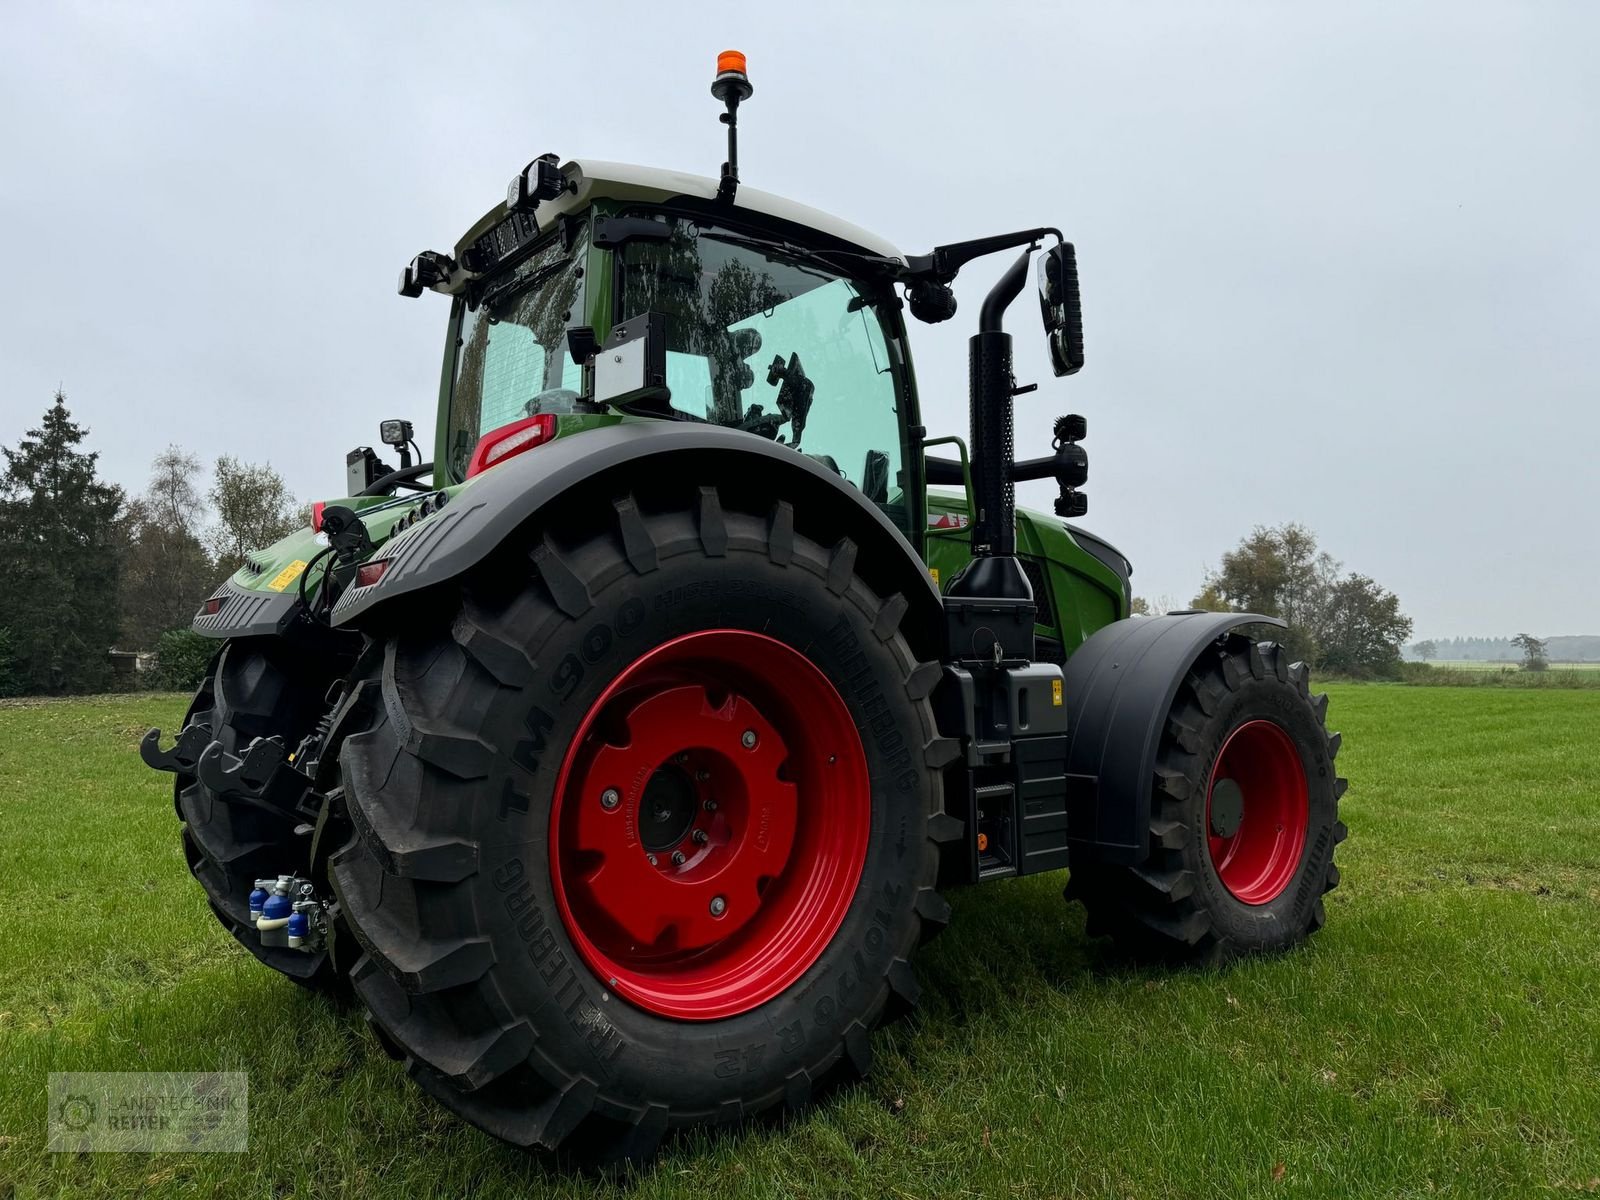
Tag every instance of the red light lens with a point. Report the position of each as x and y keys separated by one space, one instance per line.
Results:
x=316 y=515
x=213 y=606
x=510 y=440
x=368 y=573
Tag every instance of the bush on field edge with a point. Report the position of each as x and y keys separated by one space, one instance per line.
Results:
x=182 y=657
x=1426 y=674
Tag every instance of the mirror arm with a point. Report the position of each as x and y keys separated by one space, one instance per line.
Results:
x=1034 y=468
x=945 y=261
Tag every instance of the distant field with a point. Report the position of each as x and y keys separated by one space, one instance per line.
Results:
x=1440 y=1037
x=1466 y=664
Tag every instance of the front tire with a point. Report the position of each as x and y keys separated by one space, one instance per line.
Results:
x=251 y=690
x=543 y=977
x=1244 y=817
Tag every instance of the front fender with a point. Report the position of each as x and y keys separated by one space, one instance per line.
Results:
x=636 y=457
x=1120 y=685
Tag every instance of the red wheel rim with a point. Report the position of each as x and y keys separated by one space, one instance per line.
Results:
x=730 y=760
x=1257 y=809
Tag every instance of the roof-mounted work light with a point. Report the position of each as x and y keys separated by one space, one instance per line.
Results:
x=538 y=181
x=427 y=270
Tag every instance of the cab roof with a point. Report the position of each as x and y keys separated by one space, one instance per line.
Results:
x=598 y=180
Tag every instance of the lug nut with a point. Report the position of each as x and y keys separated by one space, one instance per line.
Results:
x=652 y=859
x=748 y=741
x=699 y=837
x=711 y=806
x=702 y=775
x=677 y=858
x=610 y=798
x=718 y=906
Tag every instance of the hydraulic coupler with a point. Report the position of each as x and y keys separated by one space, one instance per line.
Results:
x=287 y=914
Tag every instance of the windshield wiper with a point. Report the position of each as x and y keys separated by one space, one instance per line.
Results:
x=496 y=288
x=824 y=258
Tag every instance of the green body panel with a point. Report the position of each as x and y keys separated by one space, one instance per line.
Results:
x=1083 y=593
x=379 y=514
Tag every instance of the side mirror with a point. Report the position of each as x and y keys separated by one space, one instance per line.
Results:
x=1062 y=308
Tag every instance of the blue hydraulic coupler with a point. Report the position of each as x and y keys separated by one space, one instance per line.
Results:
x=258 y=898
x=287 y=914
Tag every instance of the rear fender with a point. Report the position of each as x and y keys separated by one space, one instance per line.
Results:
x=1120 y=685
x=599 y=465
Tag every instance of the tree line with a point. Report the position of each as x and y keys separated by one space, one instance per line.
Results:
x=1339 y=622
x=89 y=567
x=1559 y=648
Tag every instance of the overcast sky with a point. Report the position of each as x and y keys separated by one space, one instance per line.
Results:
x=1341 y=263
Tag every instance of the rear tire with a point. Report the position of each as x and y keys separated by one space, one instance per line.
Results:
x=484 y=965
x=249 y=692
x=1244 y=818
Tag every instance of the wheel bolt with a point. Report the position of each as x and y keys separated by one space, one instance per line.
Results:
x=711 y=806
x=699 y=837
x=748 y=741
x=677 y=858
x=718 y=906
x=702 y=776
x=652 y=859
x=610 y=798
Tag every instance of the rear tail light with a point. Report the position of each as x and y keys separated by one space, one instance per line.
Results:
x=316 y=515
x=368 y=573
x=510 y=440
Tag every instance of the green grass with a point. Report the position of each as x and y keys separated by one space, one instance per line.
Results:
x=1440 y=1036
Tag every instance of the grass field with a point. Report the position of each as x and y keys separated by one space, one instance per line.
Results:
x=1440 y=1036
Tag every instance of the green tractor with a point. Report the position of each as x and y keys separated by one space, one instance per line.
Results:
x=617 y=757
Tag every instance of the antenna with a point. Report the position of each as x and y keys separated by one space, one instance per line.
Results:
x=731 y=86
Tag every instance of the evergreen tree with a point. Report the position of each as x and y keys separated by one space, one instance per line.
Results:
x=10 y=685
x=57 y=556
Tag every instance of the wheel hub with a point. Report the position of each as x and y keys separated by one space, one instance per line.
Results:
x=1257 y=811
x=1227 y=808
x=668 y=809
x=710 y=824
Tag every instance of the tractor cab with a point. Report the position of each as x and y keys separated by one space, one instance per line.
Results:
x=764 y=317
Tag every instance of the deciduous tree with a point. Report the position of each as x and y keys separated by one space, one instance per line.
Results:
x=166 y=569
x=1278 y=572
x=1361 y=628
x=254 y=509
x=1533 y=652
x=1339 y=622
